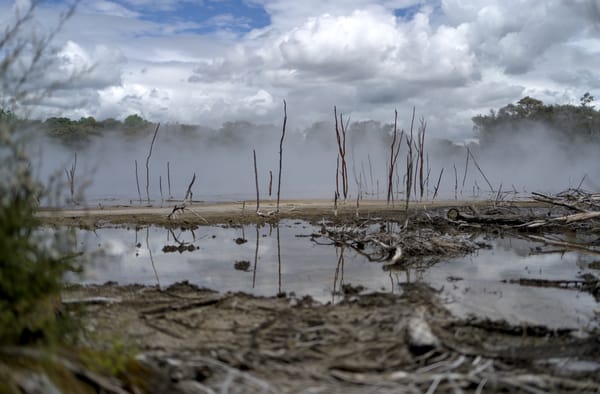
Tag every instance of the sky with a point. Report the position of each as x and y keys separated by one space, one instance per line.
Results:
x=212 y=61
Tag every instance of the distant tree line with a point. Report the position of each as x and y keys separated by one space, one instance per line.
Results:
x=65 y=127
x=571 y=122
x=78 y=132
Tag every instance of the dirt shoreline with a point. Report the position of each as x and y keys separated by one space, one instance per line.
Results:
x=244 y=212
x=200 y=341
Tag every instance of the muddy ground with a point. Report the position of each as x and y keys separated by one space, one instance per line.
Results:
x=199 y=341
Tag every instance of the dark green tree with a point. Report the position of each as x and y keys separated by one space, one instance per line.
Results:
x=135 y=121
x=528 y=114
x=586 y=99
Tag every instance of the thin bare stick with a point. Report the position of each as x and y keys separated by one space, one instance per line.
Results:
x=335 y=200
x=578 y=186
x=340 y=132
x=160 y=187
x=189 y=189
x=256 y=179
x=428 y=172
x=479 y=168
x=466 y=168
x=337 y=176
x=498 y=195
x=169 y=178
x=421 y=152
x=137 y=181
x=148 y=163
x=435 y=192
x=455 y=183
x=409 y=166
x=281 y=152
x=394 y=151
x=270 y=182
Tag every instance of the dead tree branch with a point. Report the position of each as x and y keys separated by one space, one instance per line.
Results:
x=148 y=163
x=340 y=132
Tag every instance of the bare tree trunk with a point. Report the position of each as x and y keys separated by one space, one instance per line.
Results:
x=281 y=152
x=256 y=179
x=148 y=163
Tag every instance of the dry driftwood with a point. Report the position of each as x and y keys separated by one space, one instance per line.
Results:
x=519 y=221
x=567 y=219
x=456 y=215
x=565 y=244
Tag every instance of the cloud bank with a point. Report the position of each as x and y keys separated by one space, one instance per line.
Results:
x=451 y=59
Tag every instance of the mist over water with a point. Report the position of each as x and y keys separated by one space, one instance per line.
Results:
x=222 y=160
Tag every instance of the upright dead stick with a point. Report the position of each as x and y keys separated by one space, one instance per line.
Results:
x=148 y=163
x=466 y=168
x=189 y=189
x=337 y=176
x=335 y=200
x=421 y=152
x=160 y=187
x=137 y=181
x=281 y=152
x=455 y=183
x=435 y=192
x=479 y=168
x=256 y=179
x=394 y=151
x=409 y=166
x=270 y=183
x=169 y=178
x=340 y=132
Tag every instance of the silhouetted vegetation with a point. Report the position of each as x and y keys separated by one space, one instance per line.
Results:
x=571 y=122
x=33 y=262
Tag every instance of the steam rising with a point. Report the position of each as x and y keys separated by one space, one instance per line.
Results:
x=222 y=160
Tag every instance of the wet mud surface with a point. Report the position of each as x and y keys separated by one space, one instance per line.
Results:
x=409 y=340
x=202 y=341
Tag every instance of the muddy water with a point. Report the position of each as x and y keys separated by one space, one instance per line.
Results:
x=268 y=261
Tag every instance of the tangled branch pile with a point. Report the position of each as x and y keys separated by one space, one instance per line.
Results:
x=387 y=243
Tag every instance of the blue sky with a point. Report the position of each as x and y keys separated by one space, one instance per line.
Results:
x=234 y=15
x=208 y=62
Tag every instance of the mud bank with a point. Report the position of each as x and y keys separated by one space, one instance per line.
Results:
x=203 y=341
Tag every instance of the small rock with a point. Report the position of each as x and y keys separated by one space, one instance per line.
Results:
x=420 y=338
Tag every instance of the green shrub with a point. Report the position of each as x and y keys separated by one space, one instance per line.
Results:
x=33 y=262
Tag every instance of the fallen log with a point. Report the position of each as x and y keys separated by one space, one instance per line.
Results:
x=567 y=219
x=518 y=220
x=511 y=220
x=564 y=244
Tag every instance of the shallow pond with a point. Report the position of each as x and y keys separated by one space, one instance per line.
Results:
x=269 y=260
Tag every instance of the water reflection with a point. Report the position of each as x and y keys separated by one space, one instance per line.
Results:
x=277 y=259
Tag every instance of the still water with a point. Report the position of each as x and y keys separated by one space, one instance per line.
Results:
x=265 y=260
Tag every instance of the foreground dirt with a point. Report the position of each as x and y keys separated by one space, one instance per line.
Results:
x=203 y=341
